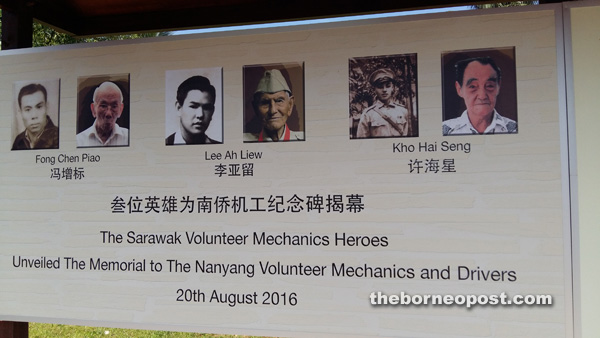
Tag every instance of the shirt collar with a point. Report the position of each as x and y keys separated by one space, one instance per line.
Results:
x=497 y=121
x=390 y=104
x=33 y=141
x=116 y=131
x=286 y=135
x=180 y=140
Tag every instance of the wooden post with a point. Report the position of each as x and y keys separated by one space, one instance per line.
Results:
x=17 y=32
x=17 y=27
x=14 y=329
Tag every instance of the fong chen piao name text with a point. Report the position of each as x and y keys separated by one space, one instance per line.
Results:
x=64 y=158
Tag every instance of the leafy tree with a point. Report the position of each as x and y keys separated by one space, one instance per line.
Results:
x=506 y=4
x=46 y=36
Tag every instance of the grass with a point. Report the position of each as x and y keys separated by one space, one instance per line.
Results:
x=39 y=330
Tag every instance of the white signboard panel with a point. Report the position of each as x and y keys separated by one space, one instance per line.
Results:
x=375 y=191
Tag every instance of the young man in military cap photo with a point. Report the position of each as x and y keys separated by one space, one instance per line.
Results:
x=385 y=118
x=384 y=90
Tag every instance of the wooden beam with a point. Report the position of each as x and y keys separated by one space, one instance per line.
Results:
x=64 y=16
x=69 y=15
x=240 y=14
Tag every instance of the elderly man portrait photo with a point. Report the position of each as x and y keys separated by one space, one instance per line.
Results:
x=276 y=103
x=35 y=102
x=193 y=115
x=478 y=80
x=383 y=96
x=103 y=99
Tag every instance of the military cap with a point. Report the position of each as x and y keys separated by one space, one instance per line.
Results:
x=272 y=82
x=380 y=75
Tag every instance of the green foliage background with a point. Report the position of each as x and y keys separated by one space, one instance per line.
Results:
x=46 y=36
x=38 y=330
x=506 y=4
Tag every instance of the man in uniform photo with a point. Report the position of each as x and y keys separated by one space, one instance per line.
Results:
x=385 y=118
x=40 y=132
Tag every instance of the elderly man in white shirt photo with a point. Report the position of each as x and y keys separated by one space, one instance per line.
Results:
x=107 y=106
x=478 y=84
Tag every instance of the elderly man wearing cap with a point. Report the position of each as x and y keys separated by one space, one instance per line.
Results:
x=273 y=104
x=385 y=118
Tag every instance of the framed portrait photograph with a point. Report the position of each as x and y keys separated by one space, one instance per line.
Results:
x=383 y=96
x=36 y=114
x=103 y=111
x=194 y=106
x=479 y=92
x=274 y=102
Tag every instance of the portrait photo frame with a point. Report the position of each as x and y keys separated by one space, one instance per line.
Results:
x=401 y=120
x=52 y=87
x=453 y=105
x=293 y=73
x=86 y=85
x=173 y=79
